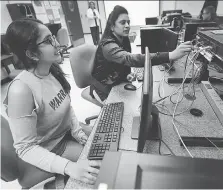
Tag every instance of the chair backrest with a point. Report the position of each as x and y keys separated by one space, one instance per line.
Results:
x=9 y=161
x=152 y=20
x=82 y=63
x=62 y=37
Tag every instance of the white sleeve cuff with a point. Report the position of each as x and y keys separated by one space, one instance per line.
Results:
x=58 y=165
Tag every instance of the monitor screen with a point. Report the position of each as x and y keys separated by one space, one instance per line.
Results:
x=191 y=29
x=146 y=103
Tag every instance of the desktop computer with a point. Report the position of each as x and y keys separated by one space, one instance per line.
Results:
x=191 y=29
x=158 y=39
x=145 y=127
x=151 y=20
x=128 y=170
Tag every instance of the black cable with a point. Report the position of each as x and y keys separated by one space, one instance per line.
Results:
x=161 y=140
x=168 y=148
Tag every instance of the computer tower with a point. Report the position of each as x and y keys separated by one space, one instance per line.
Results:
x=21 y=10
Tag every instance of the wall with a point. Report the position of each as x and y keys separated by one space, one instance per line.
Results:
x=6 y=20
x=193 y=7
x=101 y=9
x=40 y=14
x=138 y=10
x=167 y=5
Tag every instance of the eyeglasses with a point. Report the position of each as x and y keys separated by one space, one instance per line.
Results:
x=50 y=40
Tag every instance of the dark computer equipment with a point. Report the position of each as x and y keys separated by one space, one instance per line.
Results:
x=21 y=10
x=164 y=13
x=158 y=39
x=144 y=127
x=170 y=17
x=213 y=38
x=191 y=29
x=54 y=28
x=106 y=137
x=170 y=38
x=5 y=50
x=130 y=87
x=151 y=38
x=151 y=20
x=128 y=170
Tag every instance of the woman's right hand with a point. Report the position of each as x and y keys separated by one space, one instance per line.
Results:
x=181 y=50
x=85 y=170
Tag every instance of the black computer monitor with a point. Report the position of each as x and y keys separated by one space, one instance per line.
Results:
x=146 y=103
x=170 y=39
x=191 y=29
x=143 y=127
x=151 y=20
x=158 y=39
x=171 y=11
x=129 y=170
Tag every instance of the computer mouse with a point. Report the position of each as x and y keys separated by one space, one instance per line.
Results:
x=130 y=87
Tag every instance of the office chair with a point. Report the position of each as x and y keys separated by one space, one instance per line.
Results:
x=82 y=63
x=152 y=20
x=63 y=39
x=9 y=159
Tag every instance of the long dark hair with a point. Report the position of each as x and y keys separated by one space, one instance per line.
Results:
x=22 y=35
x=113 y=16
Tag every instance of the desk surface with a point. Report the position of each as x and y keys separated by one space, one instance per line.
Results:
x=208 y=125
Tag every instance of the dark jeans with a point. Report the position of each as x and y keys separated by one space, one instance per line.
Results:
x=95 y=34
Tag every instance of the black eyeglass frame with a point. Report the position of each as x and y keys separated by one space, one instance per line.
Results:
x=52 y=41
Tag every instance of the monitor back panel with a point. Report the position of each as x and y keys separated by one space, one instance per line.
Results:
x=151 y=38
x=147 y=171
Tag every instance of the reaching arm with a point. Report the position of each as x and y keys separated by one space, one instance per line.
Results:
x=114 y=53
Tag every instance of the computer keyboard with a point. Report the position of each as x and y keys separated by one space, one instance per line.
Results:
x=139 y=71
x=106 y=137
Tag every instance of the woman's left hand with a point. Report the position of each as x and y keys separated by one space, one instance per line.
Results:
x=182 y=50
x=83 y=139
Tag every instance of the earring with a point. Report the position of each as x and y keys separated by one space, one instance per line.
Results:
x=35 y=59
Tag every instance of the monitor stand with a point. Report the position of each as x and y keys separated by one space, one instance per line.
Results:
x=153 y=132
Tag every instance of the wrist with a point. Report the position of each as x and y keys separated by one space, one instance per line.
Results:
x=67 y=168
x=171 y=56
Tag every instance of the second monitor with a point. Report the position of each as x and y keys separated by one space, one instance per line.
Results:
x=158 y=39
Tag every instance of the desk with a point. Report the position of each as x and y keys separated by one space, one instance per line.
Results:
x=208 y=125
